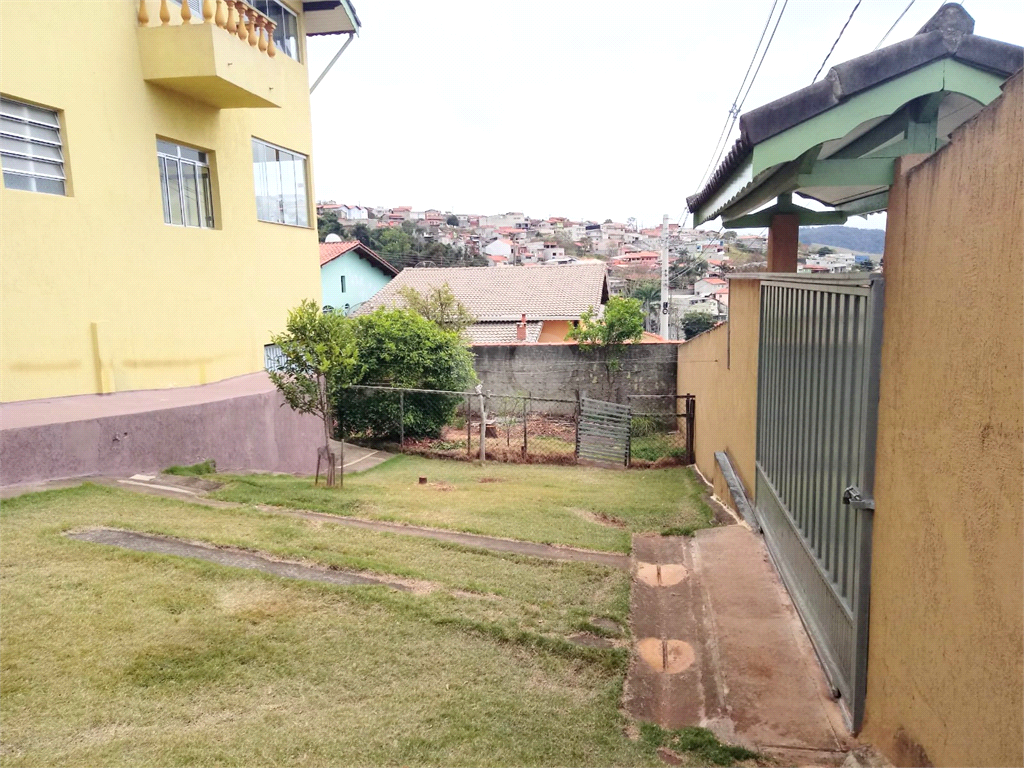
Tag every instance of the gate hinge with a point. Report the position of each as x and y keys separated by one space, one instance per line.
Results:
x=853 y=498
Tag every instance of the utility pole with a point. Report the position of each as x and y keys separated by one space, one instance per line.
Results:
x=663 y=325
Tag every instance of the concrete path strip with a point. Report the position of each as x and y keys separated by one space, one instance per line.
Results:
x=492 y=543
x=236 y=558
x=719 y=645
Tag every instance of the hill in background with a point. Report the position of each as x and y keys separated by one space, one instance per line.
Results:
x=848 y=238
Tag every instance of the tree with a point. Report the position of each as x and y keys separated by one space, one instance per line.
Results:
x=400 y=348
x=687 y=270
x=863 y=266
x=647 y=292
x=729 y=236
x=440 y=307
x=452 y=220
x=320 y=356
x=327 y=224
x=607 y=221
x=696 y=322
x=623 y=322
x=824 y=251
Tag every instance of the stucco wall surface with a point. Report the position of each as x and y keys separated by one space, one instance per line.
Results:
x=945 y=663
x=362 y=280
x=559 y=370
x=240 y=423
x=98 y=293
x=720 y=368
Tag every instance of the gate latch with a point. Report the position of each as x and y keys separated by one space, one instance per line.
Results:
x=853 y=498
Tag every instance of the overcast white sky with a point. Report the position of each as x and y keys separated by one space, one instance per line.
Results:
x=603 y=109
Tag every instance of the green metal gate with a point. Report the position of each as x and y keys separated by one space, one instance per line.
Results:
x=603 y=432
x=816 y=423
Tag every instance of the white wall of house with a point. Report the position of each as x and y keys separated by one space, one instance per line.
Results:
x=498 y=248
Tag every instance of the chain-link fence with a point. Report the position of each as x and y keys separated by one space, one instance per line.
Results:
x=661 y=429
x=513 y=427
x=508 y=427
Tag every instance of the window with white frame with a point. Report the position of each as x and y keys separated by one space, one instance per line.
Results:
x=185 y=185
x=286 y=31
x=30 y=148
x=280 y=177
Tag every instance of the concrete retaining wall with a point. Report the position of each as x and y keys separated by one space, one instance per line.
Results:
x=240 y=423
x=559 y=370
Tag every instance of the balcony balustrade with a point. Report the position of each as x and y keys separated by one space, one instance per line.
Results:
x=224 y=58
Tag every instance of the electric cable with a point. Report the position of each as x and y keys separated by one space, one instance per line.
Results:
x=830 y=50
x=898 y=18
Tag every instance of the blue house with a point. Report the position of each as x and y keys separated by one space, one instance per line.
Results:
x=350 y=273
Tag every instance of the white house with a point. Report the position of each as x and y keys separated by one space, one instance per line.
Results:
x=708 y=286
x=499 y=248
x=552 y=251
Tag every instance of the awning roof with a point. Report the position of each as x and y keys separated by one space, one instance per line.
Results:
x=835 y=141
x=330 y=17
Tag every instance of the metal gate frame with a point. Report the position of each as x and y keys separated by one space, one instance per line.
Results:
x=817 y=413
x=603 y=431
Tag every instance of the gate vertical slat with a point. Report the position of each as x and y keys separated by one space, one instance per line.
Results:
x=818 y=368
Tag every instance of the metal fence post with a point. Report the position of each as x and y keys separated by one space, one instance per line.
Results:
x=401 y=416
x=525 y=405
x=691 y=413
x=483 y=427
x=469 y=425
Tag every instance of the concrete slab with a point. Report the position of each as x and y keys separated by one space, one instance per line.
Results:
x=734 y=656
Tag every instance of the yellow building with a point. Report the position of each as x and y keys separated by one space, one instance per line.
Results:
x=156 y=214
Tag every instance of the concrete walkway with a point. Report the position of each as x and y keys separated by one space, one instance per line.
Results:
x=719 y=645
x=230 y=556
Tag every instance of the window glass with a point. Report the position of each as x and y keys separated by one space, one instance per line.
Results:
x=280 y=185
x=173 y=190
x=163 y=189
x=205 y=195
x=190 y=192
x=288 y=188
x=30 y=148
x=302 y=213
x=185 y=185
x=291 y=35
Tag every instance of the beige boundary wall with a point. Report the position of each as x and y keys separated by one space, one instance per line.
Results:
x=947 y=626
x=720 y=368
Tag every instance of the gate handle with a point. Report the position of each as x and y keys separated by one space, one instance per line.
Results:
x=853 y=498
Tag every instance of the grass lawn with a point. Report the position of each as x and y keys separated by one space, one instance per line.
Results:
x=111 y=657
x=543 y=503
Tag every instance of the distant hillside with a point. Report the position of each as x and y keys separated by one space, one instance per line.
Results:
x=850 y=238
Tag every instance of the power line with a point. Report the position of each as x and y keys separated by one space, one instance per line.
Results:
x=898 y=18
x=841 y=31
x=737 y=105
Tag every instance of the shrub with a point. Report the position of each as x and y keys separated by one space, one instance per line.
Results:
x=401 y=348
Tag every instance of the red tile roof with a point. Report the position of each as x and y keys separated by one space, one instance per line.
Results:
x=330 y=251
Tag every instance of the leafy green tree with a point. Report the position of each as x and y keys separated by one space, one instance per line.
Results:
x=622 y=322
x=361 y=232
x=729 y=236
x=440 y=307
x=687 y=270
x=696 y=322
x=319 y=357
x=863 y=266
x=647 y=292
x=327 y=224
x=401 y=348
x=825 y=251
x=452 y=220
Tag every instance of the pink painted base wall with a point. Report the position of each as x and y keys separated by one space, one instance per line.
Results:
x=240 y=423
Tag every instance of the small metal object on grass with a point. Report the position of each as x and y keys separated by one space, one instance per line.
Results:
x=423 y=480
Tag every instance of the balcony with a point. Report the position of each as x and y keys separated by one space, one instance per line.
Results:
x=224 y=58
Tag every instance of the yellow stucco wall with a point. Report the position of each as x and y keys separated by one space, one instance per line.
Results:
x=720 y=368
x=945 y=662
x=98 y=293
x=554 y=330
